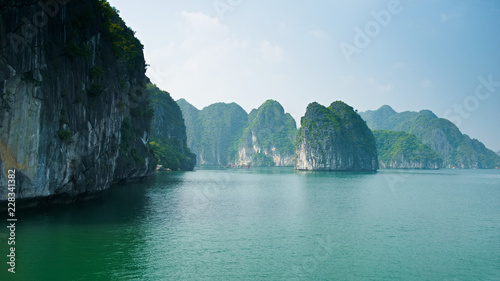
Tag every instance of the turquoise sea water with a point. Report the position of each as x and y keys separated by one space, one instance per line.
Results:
x=271 y=224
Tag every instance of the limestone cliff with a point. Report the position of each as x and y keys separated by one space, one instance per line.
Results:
x=400 y=150
x=335 y=139
x=75 y=115
x=456 y=149
x=269 y=139
x=168 y=133
x=214 y=131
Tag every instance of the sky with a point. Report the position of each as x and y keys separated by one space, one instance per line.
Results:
x=410 y=54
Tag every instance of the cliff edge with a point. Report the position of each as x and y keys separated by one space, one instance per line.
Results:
x=75 y=114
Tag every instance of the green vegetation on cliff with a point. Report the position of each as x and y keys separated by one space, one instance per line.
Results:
x=272 y=132
x=403 y=150
x=317 y=121
x=222 y=126
x=190 y=115
x=335 y=138
x=168 y=140
x=222 y=133
x=273 y=127
x=214 y=131
x=456 y=149
x=125 y=45
x=355 y=128
x=167 y=155
x=262 y=160
x=128 y=51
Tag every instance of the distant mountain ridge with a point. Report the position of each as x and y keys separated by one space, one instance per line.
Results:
x=213 y=132
x=456 y=149
x=222 y=134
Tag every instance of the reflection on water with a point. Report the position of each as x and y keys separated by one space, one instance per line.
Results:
x=271 y=224
x=94 y=240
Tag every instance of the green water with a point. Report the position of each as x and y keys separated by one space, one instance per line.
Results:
x=271 y=224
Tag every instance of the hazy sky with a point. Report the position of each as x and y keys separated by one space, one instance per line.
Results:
x=413 y=55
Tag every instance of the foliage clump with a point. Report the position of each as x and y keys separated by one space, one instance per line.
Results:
x=166 y=154
x=74 y=50
x=394 y=144
x=168 y=132
x=65 y=135
x=125 y=45
x=96 y=72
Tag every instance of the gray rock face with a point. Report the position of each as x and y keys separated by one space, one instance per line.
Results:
x=72 y=119
x=269 y=139
x=252 y=153
x=335 y=139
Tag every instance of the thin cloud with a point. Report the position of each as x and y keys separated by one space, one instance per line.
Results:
x=444 y=17
x=400 y=65
x=380 y=87
x=271 y=52
x=426 y=84
x=348 y=79
x=318 y=34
